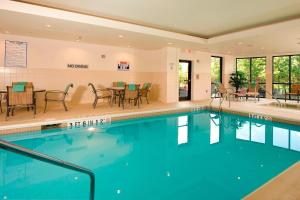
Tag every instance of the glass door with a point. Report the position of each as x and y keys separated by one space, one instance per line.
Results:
x=185 y=67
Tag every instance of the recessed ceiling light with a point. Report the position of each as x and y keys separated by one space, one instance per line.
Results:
x=170 y=43
x=48 y=25
x=120 y=36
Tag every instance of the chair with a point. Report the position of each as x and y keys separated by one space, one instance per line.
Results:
x=1 y=103
x=253 y=92
x=100 y=94
x=116 y=94
x=295 y=90
x=20 y=95
x=144 y=92
x=240 y=94
x=131 y=93
x=57 y=96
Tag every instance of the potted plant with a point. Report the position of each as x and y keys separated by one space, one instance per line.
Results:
x=237 y=80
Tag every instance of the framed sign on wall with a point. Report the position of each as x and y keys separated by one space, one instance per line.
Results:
x=15 y=54
x=123 y=66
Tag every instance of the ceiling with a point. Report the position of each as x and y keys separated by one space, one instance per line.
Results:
x=278 y=38
x=202 y=18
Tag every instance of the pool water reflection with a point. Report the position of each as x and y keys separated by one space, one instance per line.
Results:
x=202 y=155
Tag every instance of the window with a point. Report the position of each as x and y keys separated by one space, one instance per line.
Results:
x=286 y=72
x=253 y=68
x=215 y=72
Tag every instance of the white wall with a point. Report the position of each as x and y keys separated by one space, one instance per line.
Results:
x=48 y=59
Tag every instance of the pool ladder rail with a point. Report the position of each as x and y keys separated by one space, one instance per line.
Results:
x=50 y=160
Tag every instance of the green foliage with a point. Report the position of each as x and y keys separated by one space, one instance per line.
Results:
x=183 y=74
x=257 y=66
x=237 y=80
x=215 y=71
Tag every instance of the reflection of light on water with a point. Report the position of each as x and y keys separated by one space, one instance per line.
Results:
x=118 y=191
x=238 y=178
x=214 y=131
x=168 y=174
x=182 y=129
x=182 y=120
x=91 y=129
x=4 y=197
x=182 y=135
x=76 y=178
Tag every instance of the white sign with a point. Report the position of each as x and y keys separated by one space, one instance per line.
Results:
x=258 y=116
x=15 y=54
x=92 y=121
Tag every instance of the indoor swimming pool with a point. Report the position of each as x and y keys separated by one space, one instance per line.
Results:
x=196 y=155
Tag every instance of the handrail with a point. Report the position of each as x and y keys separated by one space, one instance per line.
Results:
x=51 y=160
x=274 y=97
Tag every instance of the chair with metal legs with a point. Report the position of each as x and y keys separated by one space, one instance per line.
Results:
x=57 y=96
x=100 y=94
x=1 y=103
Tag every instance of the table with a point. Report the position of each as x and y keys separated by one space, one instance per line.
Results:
x=118 y=90
x=34 y=92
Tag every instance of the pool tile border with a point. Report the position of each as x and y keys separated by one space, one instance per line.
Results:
x=20 y=128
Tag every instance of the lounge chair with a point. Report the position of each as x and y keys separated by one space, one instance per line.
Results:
x=242 y=93
x=57 y=96
x=144 y=91
x=20 y=95
x=253 y=91
x=295 y=90
x=131 y=93
x=100 y=94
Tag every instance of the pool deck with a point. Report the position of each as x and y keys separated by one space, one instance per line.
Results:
x=284 y=186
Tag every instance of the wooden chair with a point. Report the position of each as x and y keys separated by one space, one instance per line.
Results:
x=16 y=99
x=144 y=91
x=100 y=94
x=295 y=90
x=57 y=96
x=131 y=93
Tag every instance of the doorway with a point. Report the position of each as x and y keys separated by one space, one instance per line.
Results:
x=185 y=74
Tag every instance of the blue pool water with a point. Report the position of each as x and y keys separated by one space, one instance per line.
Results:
x=202 y=155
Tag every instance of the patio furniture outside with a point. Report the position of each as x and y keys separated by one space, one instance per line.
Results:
x=100 y=94
x=57 y=96
x=295 y=90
